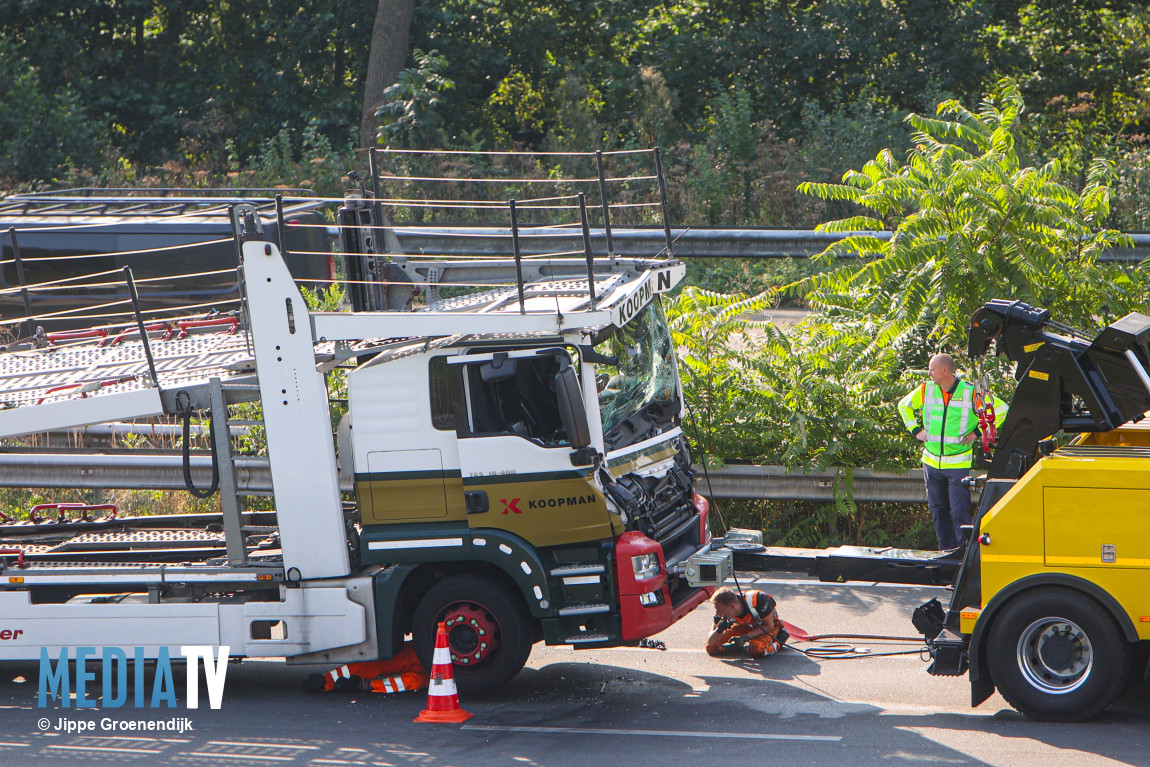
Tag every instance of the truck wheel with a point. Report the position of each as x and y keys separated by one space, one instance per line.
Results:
x=1057 y=655
x=489 y=631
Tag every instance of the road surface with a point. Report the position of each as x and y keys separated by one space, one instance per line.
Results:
x=594 y=708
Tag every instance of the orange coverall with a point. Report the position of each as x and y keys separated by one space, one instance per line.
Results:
x=403 y=672
x=760 y=606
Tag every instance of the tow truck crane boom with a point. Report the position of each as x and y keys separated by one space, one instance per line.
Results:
x=1065 y=381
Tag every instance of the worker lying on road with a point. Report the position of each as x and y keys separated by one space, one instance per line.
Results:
x=745 y=623
x=403 y=672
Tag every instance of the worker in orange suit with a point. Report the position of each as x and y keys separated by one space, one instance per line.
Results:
x=746 y=622
x=403 y=672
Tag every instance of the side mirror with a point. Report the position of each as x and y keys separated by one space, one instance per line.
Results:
x=571 y=410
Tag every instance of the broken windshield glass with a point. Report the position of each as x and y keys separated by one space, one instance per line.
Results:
x=641 y=396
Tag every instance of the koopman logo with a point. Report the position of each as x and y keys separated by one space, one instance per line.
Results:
x=56 y=682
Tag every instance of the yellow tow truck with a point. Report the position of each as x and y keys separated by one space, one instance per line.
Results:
x=1051 y=598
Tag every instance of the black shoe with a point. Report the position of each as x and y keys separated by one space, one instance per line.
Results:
x=313 y=683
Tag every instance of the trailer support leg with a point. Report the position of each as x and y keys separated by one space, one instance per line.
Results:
x=229 y=500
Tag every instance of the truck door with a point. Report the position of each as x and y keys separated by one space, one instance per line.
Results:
x=515 y=454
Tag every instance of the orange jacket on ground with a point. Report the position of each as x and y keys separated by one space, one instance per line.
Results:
x=401 y=673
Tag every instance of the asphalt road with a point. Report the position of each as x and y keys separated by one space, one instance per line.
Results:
x=623 y=706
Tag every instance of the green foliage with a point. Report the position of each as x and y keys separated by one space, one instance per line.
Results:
x=300 y=158
x=753 y=275
x=826 y=397
x=51 y=127
x=745 y=99
x=172 y=80
x=814 y=525
x=726 y=161
x=708 y=329
x=966 y=222
x=409 y=117
x=930 y=240
x=1084 y=65
x=516 y=111
x=331 y=299
x=815 y=397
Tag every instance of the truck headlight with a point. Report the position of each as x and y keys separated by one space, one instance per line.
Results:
x=646 y=566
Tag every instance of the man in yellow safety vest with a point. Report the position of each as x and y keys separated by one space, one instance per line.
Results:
x=948 y=431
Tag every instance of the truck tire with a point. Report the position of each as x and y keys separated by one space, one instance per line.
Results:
x=1057 y=655
x=489 y=630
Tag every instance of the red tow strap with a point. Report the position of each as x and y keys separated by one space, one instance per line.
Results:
x=796 y=633
x=984 y=407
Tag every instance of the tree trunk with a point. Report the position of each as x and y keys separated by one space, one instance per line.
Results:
x=389 y=40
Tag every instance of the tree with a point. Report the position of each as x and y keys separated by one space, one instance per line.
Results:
x=191 y=81
x=50 y=129
x=963 y=222
x=389 y=42
x=409 y=116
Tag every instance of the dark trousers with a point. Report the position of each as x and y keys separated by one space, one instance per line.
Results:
x=949 y=503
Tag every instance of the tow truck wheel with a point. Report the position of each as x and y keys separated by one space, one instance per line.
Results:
x=488 y=631
x=1057 y=655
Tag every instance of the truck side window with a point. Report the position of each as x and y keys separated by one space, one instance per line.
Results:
x=524 y=404
x=442 y=412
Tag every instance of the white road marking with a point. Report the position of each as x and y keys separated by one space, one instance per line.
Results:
x=107 y=748
x=16 y=745
x=658 y=733
x=225 y=755
x=257 y=745
x=143 y=740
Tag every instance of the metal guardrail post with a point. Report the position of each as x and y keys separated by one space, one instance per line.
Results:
x=281 y=237
x=663 y=202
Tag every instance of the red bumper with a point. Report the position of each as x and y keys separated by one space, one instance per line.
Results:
x=639 y=620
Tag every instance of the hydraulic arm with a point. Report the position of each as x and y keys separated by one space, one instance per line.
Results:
x=1066 y=382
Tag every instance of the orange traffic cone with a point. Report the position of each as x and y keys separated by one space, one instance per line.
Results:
x=442 y=698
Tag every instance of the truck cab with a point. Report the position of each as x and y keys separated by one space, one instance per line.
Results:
x=557 y=464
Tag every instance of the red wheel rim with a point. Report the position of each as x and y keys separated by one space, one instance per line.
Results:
x=473 y=633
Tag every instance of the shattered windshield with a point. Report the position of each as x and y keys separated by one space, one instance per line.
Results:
x=639 y=396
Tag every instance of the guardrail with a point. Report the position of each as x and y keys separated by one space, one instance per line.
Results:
x=648 y=243
x=132 y=470
x=775 y=483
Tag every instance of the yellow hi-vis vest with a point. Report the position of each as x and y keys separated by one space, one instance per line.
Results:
x=946 y=423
